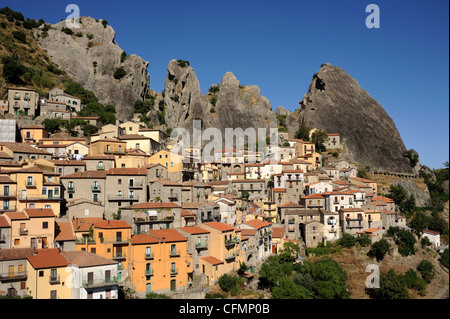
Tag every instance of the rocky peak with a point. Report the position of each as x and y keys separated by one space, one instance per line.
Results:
x=90 y=56
x=337 y=104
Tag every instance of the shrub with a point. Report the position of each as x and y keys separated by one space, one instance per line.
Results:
x=183 y=63
x=90 y=36
x=444 y=258
x=105 y=23
x=289 y=290
x=392 y=286
x=123 y=57
x=379 y=249
x=213 y=100
x=119 y=73
x=79 y=34
x=67 y=31
x=426 y=270
x=19 y=35
x=347 y=241
x=214 y=296
x=12 y=69
x=227 y=282
x=154 y=295
x=364 y=240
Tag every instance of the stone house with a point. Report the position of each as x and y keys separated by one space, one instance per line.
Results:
x=124 y=187
x=164 y=190
x=205 y=211
x=13 y=271
x=304 y=223
x=89 y=185
x=99 y=162
x=84 y=208
x=23 y=99
x=197 y=245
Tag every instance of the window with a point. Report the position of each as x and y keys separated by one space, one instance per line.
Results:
x=119 y=181
x=29 y=180
x=44 y=225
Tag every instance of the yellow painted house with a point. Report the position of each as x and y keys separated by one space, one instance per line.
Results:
x=109 y=239
x=49 y=276
x=173 y=162
x=160 y=262
x=224 y=252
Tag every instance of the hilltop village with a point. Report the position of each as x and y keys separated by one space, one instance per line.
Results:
x=87 y=218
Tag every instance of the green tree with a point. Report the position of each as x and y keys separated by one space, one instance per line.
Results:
x=413 y=281
x=330 y=280
x=347 y=240
x=119 y=73
x=379 y=249
x=364 y=240
x=12 y=69
x=444 y=260
x=392 y=286
x=242 y=268
x=52 y=125
x=319 y=137
x=227 y=282
x=89 y=129
x=302 y=132
x=426 y=270
x=287 y=289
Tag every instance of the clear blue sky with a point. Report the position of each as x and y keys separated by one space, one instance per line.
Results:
x=279 y=45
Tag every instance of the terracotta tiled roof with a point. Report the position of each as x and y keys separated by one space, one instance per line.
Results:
x=99 y=157
x=144 y=238
x=363 y=180
x=256 y=223
x=212 y=260
x=4 y=222
x=166 y=182
x=86 y=175
x=16 y=216
x=192 y=205
x=278 y=232
x=194 y=230
x=279 y=190
x=39 y=212
x=313 y=196
x=166 y=235
x=111 y=224
x=431 y=232
x=383 y=199
x=187 y=214
x=15 y=253
x=83 y=224
x=64 y=231
x=47 y=258
x=68 y=162
x=219 y=226
x=248 y=232
x=86 y=259
x=127 y=171
x=291 y=205
x=6 y=180
x=23 y=148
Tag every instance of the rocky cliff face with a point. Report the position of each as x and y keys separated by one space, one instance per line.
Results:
x=337 y=104
x=92 y=60
x=233 y=106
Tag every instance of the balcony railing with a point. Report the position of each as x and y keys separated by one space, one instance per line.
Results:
x=135 y=185
x=99 y=283
x=230 y=256
x=175 y=253
x=231 y=242
x=119 y=255
x=149 y=256
x=123 y=197
x=8 y=208
x=114 y=240
x=23 y=231
x=84 y=240
x=174 y=271
x=96 y=188
x=55 y=279
x=8 y=195
x=31 y=184
x=149 y=272
x=17 y=275
x=153 y=219
x=71 y=189
x=202 y=245
x=40 y=197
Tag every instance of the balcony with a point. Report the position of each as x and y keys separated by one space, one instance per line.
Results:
x=16 y=97
x=230 y=257
x=114 y=240
x=17 y=275
x=85 y=240
x=123 y=198
x=31 y=184
x=149 y=272
x=153 y=219
x=7 y=208
x=119 y=255
x=202 y=245
x=71 y=189
x=40 y=198
x=149 y=256
x=175 y=253
x=115 y=151
x=173 y=271
x=99 y=283
x=55 y=280
x=6 y=195
x=23 y=231
x=96 y=188
x=136 y=185
x=231 y=242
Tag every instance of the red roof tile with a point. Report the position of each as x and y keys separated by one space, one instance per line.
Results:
x=212 y=260
x=47 y=258
x=219 y=226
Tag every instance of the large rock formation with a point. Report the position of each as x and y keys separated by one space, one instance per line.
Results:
x=92 y=62
x=235 y=106
x=337 y=104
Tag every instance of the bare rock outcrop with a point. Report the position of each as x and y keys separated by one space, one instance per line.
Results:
x=90 y=56
x=337 y=104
